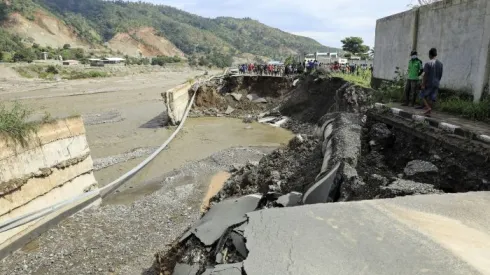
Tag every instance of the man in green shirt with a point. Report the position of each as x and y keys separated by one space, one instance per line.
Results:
x=415 y=70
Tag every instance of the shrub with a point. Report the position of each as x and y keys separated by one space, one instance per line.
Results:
x=52 y=70
x=14 y=123
x=466 y=108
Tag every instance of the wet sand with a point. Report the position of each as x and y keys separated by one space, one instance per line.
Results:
x=215 y=185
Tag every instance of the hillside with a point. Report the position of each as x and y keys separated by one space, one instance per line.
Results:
x=150 y=29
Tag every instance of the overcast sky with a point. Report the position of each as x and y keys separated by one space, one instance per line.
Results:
x=323 y=20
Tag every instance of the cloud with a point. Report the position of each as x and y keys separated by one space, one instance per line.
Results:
x=326 y=21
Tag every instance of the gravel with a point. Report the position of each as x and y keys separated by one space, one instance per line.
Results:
x=122 y=238
x=111 y=116
x=105 y=162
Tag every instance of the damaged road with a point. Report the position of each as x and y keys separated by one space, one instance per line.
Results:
x=294 y=224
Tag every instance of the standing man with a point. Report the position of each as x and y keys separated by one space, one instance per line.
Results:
x=432 y=78
x=415 y=70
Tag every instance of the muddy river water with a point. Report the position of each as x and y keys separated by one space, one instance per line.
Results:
x=200 y=138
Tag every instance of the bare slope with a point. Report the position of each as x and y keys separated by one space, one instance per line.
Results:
x=144 y=41
x=45 y=30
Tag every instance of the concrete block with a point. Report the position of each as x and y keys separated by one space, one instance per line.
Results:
x=69 y=189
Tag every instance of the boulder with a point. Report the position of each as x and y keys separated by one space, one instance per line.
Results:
x=402 y=187
x=380 y=136
x=421 y=171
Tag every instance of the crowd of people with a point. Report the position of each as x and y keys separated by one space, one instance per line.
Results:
x=270 y=69
x=286 y=70
x=351 y=68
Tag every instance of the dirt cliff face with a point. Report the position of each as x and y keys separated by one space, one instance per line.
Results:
x=45 y=30
x=144 y=41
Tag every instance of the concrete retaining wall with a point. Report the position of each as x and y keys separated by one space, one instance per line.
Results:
x=459 y=29
x=176 y=100
x=54 y=165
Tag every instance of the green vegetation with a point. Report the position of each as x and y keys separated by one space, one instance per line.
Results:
x=14 y=123
x=461 y=105
x=162 y=60
x=363 y=79
x=136 y=61
x=354 y=45
x=65 y=72
x=97 y=21
x=392 y=91
x=466 y=108
x=85 y=74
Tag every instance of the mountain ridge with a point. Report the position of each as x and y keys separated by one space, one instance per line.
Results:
x=97 y=22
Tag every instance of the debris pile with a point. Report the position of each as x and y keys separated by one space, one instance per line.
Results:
x=285 y=170
x=277 y=101
x=240 y=96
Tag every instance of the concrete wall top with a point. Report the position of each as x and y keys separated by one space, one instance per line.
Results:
x=47 y=133
x=54 y=146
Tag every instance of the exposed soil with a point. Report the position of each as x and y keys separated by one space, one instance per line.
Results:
x=44 y=30
x=285 y=170
x=144 y=41
x=215 y=97
x=453 y=164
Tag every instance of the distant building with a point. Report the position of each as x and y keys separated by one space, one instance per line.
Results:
x=329 y=57
x=275 y=63
x=70 y=62
x=96 y=62
x=113 y=60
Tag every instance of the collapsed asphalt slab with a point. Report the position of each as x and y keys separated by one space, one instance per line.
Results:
x=433 y=234
x=220 y=217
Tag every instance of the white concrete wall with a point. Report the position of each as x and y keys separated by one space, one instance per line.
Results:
x=459 y=29
x=53 y=166
x=176 y=100
x=393 y=44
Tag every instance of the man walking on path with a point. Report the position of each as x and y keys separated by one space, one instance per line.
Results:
x=432 y=78
x=415 y=70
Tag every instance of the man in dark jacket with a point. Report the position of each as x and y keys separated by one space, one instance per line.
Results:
x=432 y=78
x=415 y=70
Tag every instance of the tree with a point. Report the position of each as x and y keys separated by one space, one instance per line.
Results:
x=371 y=53
x=26 y=55
x=3 y=11
x=289 y=60
x=422 y=3
x=66 y=46
x=354 y=45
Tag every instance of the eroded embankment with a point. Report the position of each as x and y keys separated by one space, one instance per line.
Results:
x=52 y=165
x=341 y=153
